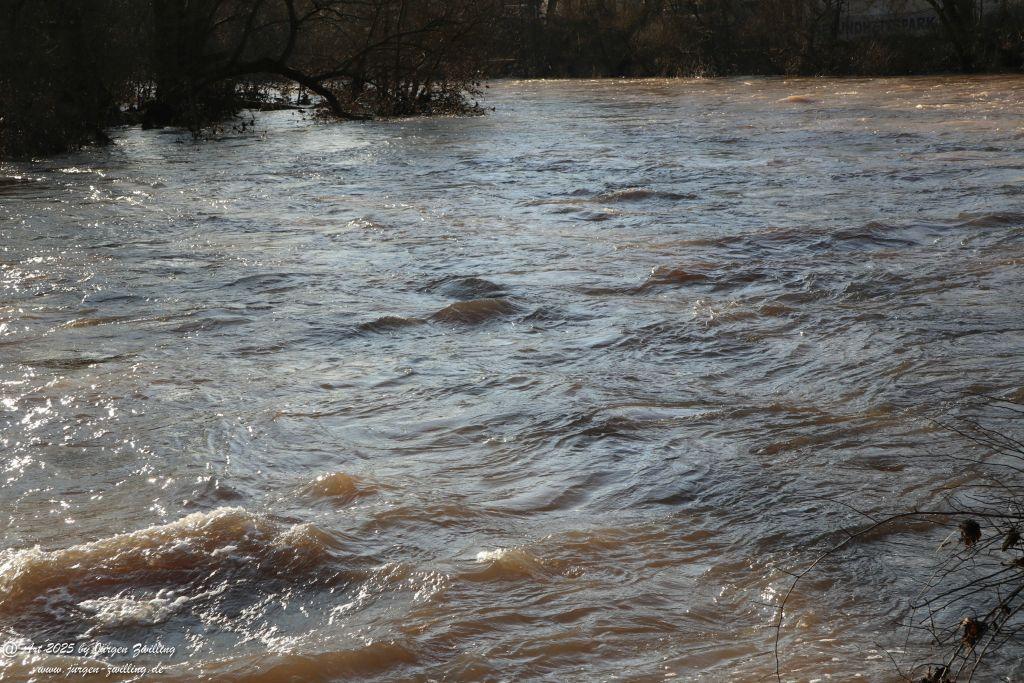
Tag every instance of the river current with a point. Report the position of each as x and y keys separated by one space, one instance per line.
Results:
x=562 y=392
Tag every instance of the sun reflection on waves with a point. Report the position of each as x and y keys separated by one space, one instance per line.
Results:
x=553 y=392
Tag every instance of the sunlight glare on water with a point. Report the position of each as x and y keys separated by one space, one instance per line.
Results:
x=554 y=393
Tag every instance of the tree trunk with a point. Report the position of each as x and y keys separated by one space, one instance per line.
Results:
x=957 y=20
x=169 y=103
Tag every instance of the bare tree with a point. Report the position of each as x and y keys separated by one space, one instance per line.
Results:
x=959 y=21
x=70 y=68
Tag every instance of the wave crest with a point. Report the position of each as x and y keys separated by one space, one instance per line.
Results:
x=196 y=544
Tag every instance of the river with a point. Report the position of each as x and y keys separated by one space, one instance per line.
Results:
x=561 y=392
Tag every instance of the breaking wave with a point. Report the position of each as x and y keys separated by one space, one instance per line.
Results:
x=170 y=555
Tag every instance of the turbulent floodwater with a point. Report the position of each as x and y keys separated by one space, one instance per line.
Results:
x=556 y=393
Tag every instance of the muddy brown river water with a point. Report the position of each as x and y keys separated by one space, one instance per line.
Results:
x=558 y=393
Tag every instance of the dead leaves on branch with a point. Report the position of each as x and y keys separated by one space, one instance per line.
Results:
x=1011 y=539
x=970 y=532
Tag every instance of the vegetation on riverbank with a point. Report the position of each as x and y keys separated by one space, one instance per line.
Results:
x=805 y=37
x=69 y=70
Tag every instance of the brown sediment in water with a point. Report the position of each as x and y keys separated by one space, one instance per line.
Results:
x=799 y=99
x=509 y=564
x=639 y=194
x=339 y=487
x=666 y=275
x=374 y=658
x=389 y=322
x=474 y=312
x=169 y=553
x=729 y=311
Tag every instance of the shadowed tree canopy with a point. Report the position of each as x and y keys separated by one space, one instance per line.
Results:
x=809 y=37
x=71 y=68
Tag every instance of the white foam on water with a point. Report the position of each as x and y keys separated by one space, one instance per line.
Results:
x=202 y=540
x=117 y=611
